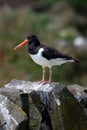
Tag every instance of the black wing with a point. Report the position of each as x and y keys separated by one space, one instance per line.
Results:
x=51 y=53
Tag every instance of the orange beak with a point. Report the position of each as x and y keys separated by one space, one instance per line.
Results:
x=21 y=44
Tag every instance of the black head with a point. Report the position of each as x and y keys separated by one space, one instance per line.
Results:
x=32 y=39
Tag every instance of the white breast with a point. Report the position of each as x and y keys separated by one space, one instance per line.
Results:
x=39 y=59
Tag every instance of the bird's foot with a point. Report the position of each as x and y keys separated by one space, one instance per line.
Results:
x=44 y=82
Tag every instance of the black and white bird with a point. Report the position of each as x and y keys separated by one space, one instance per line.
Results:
x=44 y=55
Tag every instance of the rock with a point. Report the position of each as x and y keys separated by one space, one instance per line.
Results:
x=10 y=114
x=34 y=106
x=80 y=93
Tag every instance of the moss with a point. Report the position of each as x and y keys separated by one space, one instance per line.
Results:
x=37 y=101
x=56 y=116
x=34 y=115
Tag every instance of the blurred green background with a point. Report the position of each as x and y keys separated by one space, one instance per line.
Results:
x=58 y=23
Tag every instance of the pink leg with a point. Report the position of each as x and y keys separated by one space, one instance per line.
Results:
x=50 y=77
x=43 y=77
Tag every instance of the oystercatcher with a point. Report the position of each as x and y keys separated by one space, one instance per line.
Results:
x=44 y=55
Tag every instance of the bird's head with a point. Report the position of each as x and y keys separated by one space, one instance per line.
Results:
x=30 y=39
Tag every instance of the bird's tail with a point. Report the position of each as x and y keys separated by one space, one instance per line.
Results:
x=75 y=60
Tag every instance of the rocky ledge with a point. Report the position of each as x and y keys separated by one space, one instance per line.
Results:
x=28 y=105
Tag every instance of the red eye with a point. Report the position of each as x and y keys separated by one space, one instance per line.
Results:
x=29 y=37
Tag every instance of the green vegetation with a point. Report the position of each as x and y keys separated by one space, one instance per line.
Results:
x=47 y=3
x=79 y=4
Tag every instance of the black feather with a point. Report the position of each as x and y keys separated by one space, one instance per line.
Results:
x=51 y=53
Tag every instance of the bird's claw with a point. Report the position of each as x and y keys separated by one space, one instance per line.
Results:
x=44 y=82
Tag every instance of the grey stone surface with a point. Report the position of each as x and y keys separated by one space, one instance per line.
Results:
x=11 y=115
x=35 y=106
x=80 y=93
